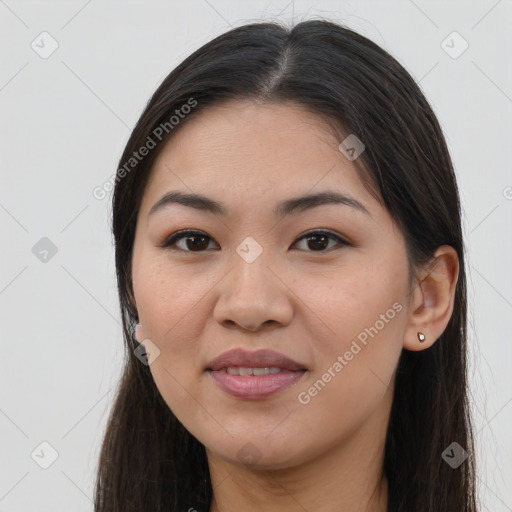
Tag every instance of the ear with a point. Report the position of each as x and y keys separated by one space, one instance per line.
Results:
x=139 y=335
x=432 y=299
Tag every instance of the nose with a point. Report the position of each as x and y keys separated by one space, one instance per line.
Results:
x=254 y=296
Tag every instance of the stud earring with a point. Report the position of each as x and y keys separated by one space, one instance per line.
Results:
x=421 y=336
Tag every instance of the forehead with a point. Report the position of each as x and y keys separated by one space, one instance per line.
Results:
x=254 y=152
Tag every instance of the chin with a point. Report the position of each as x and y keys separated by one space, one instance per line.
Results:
x=256 y=452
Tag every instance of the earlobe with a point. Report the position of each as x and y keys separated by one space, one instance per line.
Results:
x=432 y=300
x=138 y=333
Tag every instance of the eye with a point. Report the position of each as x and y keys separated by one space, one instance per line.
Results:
x=320 y=239
x=196 y=241
x=196 y=238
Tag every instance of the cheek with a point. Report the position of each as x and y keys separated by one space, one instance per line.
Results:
x=166 y=297
x=365 y=304
x=360 y=347
x=172 y=313
x=353 y=380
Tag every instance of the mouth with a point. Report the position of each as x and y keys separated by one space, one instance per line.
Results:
x=242 y=360
x=246 y=371
x=254 y=375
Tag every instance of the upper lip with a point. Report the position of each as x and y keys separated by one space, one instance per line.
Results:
x=259 y=359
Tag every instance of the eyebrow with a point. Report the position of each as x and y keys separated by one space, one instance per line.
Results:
x=287 y=207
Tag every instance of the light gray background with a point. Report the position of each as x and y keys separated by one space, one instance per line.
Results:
x=65 y=120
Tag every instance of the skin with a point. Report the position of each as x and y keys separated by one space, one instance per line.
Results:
x=307 y=303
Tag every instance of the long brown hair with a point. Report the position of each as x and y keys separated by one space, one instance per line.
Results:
x=149 y=461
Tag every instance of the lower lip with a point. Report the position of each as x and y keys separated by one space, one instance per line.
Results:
x=255 y=387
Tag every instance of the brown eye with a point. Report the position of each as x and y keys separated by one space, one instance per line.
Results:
x=318 y=241
x=194 y=241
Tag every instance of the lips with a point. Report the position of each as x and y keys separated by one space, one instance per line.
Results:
x=240 y=358
x=254 y=375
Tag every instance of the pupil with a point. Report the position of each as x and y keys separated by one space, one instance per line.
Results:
x=195 y=244
x=323 y=237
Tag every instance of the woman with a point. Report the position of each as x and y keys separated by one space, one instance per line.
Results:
x=291 y=276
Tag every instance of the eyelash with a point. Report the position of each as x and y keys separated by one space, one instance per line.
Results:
x=170 y=241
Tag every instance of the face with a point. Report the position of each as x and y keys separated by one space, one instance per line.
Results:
x=325 y=285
